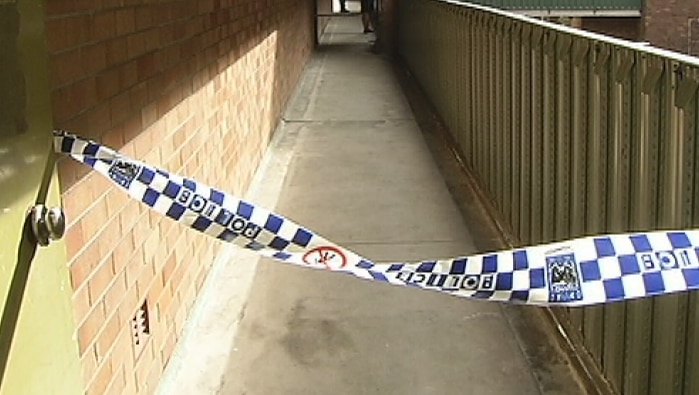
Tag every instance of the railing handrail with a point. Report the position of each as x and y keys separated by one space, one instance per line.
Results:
x=581 y=5
x=636 y=46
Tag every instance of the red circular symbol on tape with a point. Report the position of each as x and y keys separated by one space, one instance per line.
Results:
x=331 y=257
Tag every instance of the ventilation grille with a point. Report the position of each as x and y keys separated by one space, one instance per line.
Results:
x=140 y=327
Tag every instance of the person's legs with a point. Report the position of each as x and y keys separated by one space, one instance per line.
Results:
x=343 y=6
x=367 y=11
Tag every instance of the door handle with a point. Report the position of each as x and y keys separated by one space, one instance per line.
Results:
x=47 y=224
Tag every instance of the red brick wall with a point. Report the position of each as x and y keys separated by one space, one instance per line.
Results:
x=667 y=23
x=193 y=86
x=694 y=37
x=627 y=28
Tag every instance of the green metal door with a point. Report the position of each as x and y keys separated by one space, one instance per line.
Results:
x=38 y=354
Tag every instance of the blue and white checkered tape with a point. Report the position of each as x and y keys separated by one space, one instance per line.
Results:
x=578 y=272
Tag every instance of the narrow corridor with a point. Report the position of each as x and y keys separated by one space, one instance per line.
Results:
x=350 y=163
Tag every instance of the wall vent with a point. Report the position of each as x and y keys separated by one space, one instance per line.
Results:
x=140 y=328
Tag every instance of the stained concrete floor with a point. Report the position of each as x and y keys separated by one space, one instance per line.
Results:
x=350 y=163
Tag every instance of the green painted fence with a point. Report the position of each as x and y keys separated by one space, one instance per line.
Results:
x=38 y=349
x=572 y=134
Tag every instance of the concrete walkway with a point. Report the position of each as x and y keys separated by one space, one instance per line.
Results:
x=350 y=163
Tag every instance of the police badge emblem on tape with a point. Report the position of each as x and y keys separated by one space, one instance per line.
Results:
x=562 y=277
x=578 y=272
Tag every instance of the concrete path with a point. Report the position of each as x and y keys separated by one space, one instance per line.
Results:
x=350 y=163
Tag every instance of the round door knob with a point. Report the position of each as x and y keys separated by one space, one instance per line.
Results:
x=47 y=223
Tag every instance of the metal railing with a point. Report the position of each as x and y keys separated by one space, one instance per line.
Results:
x=636 y=5
x=574 y=133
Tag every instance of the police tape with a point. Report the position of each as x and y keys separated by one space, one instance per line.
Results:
x=577 y=272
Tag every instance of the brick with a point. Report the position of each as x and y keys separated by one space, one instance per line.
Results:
x=125 y=21
x=132 y=129
x=167 y=33
x=82 y=265
x=100 y=380
x=161 y=256
x=138 y=96
x=665 y=28
x=79 y=123
x=134 y=268
x=163 y=323
x=79 y=30
x=141 y=232
x=99 y=186
x=155 y=290
x=188 y=292
x=56 y=37
x=157 y=357
x=200 y=279
x=83 y=94
x=88 y=329
x=144 y=17
x=89 y=364
x=58 y=8
x=69 y=173
x=169 y=347
x=109 y=236
x=180 y=318
x=102 y=276
x=168 y=268
x=74 y=240
x=152 y=39
x=123 y=252
x=106 y=338
x=93 y=58
x=117 y=50
x=150 y=247
x=165 y=103
x=111 y=4
x=123 y=352
x=118 y=383
x=128 y=73
x=81 y=304
x=66 y=67
x=136 y=44
x=147 y=66
x=129 y=304
x=94 y=220
x=108 y=84
x=145 y=277
x=164 y=303
x=120 y=106
x=171 y=312
x=152 y=377
x=130 y=383
x=114 y=293
x=65 y=106
x=149 y=114
x=143 y=363
x=115 y=138
x=104 y=25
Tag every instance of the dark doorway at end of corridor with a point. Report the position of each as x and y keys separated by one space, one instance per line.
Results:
x=350 y=28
